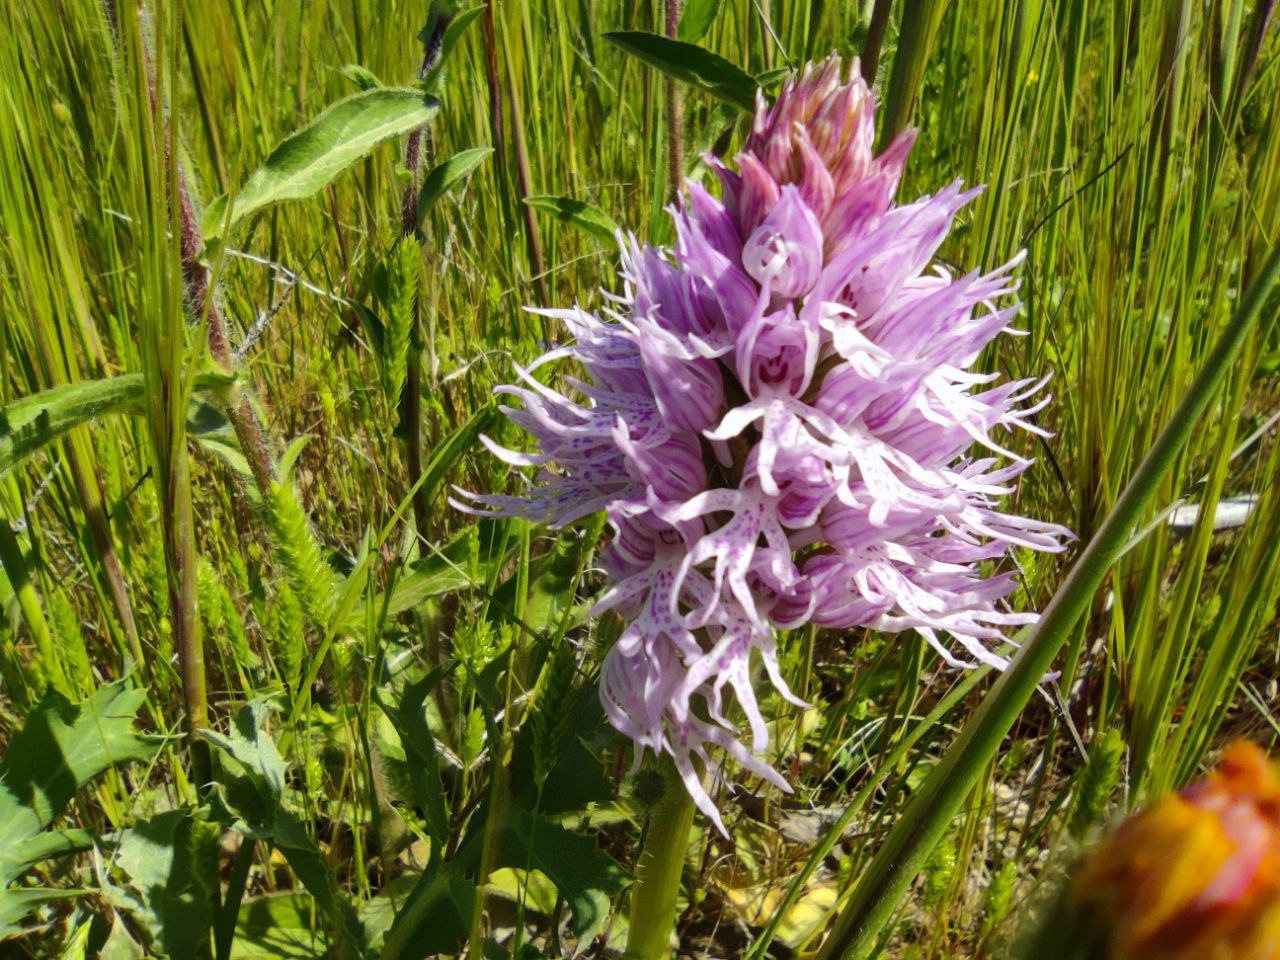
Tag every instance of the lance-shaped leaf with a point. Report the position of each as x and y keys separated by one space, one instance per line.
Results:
x=577 y=213
x=696 y=19
x=444 y=175
x=690 y=64
x=409 y=718
x=460 y=20
x=31 y=422
x=310 y=159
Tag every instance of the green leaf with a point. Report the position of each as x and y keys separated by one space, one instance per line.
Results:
x=17 y=903
x=120 y=944
x=586 y=876
x=309 y=866
x=60 y=748
x=444 y=175
x=30 y=423
x=696 y=19
x=53 y=843
x=452 y=35
x=166 y=896
x=291 y=454
x=577 y=213
x=435 y=917
x=690 y=64
x=253 y=803
x=453 y=447
x=310 y=159
x=409 y=718
x=250 y=744
x=433 y=577
x=577 y=778
x=278 y=927
x=362 y=78
x=553 y=583
x=445 y=569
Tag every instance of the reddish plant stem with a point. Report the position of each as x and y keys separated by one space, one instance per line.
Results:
x=173 y=474
x=240 y=412
x=675 y=110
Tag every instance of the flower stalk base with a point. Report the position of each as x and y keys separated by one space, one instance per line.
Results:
x=653 y=898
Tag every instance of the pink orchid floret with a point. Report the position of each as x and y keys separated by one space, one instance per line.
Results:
x=780 y=417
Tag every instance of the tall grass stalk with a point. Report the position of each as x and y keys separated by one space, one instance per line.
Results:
x=916 y=35
x=167 y=369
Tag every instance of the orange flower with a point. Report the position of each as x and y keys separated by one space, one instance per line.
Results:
x=1197 y=875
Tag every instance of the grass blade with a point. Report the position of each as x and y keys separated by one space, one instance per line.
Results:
x=920 y=22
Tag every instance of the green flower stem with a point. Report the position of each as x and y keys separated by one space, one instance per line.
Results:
x=653 y=898
x=940 y=798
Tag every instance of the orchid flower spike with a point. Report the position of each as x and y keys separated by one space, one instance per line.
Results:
x=781 y=419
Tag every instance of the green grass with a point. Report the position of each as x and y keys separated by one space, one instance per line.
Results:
x=1132 y=149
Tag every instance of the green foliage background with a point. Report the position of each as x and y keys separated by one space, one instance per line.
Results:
x=420 y=685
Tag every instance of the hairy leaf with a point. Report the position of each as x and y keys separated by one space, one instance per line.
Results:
x=30 y=423
x=310 y=159
x=362 y=78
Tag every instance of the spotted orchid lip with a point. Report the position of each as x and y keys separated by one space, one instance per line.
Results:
x=777 y=416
